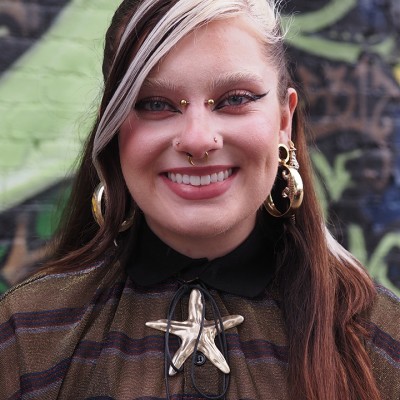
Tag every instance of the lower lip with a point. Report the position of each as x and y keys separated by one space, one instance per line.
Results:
x=189 y=192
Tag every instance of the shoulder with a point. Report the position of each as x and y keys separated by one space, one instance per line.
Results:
x=385 y=312
x=43 y=320
x=383 y=343
x=58 y=290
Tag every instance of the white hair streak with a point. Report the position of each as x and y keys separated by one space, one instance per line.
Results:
x=184 y=16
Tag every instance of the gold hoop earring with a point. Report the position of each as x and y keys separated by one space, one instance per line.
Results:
x=289 y=178
x=97 y=212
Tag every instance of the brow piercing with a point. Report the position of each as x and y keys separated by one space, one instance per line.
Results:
x=185 y=103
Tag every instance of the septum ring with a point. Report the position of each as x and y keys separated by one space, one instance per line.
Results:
x=190 y=158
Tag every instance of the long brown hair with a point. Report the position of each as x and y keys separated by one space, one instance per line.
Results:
x=324 y=291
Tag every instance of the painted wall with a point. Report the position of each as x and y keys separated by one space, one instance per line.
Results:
x=346 y=54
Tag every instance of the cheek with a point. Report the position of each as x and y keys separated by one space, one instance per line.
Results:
x=134 y=147
x=262 y=152
x=134 y=134
x=125 y=140
x=261 y=142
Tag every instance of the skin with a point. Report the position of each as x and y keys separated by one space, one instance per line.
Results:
x=224 y=61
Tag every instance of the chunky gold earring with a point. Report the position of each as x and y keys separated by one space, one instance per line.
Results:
x=288 y=183
x=98 y=213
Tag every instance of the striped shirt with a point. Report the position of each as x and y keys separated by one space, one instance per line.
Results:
x=82 y=335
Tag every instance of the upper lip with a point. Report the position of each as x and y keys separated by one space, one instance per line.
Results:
x=200 y=171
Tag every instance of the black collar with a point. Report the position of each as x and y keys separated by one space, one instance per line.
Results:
x=246 y=271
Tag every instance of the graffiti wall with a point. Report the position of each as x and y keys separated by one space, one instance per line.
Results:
x=50 y=52
x=345 y=56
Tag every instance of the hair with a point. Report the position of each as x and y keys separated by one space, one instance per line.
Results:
x=324 y=290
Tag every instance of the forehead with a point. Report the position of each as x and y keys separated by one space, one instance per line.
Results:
x=218 y=52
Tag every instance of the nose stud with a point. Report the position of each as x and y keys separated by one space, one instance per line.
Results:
x=210 y=102
x=184 y=103
x=190 y=158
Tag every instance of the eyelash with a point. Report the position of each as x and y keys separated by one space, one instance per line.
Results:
x=239 y=94
x=142 y=105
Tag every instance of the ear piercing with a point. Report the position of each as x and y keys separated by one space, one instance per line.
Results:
x=190 y=158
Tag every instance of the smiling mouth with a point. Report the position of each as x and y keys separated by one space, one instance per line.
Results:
x=197 y=180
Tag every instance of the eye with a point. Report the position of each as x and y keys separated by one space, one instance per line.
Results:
x=155 y=104
x=237 y=98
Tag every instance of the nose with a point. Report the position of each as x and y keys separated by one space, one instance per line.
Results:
x=198 y=133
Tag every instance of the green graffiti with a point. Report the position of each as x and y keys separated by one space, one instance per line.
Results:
x=3 y=287
x=45 y=224
x=376 y=263
x=318 y=20
x=3 y=251
x=304 y=29
x=357 y=244
x=45 y=100
x=377 y=266
x=48 y=219
x=330 y=187
x=336 y=178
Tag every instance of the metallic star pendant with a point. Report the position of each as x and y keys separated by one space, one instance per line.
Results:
x=188 y=331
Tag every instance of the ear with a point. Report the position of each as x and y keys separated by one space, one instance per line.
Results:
x=285 y=132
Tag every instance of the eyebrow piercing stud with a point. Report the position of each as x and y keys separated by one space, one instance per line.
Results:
x=184 y=103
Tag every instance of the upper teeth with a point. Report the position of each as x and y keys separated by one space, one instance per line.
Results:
x=203 y=180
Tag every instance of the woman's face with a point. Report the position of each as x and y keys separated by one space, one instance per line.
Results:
x=206 y=209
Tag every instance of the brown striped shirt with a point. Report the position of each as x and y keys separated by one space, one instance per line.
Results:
x=82 y=335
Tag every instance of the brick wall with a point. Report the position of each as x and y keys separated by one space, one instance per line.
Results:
x=346 y=55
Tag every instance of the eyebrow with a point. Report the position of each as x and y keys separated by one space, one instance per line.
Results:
x=235 y=78
x=154 y=83
x=224 y=80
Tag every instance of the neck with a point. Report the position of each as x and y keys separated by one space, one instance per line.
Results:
x=208 y=245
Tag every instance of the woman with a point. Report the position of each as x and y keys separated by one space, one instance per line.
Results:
x=197 y=162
